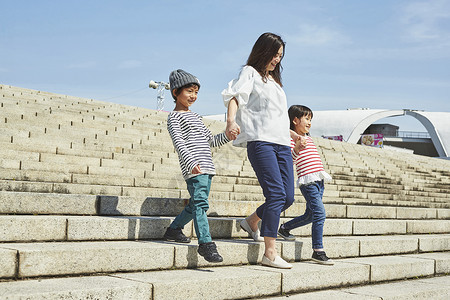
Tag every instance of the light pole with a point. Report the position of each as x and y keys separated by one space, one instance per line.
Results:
x=161 y=86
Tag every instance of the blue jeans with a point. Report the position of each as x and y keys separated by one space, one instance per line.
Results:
x=315 y=212
x=274 y=168
x=198 y=188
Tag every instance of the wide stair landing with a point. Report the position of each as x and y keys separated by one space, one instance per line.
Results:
x=87 y=189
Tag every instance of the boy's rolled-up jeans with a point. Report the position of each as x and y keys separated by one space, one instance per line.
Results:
x=314 y=213
x=198 y=187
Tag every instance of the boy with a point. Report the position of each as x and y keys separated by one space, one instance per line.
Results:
x=192 y=141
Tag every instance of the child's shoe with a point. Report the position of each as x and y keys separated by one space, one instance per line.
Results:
x=285 y=234
x=209 y=252
x=321 y=258
x=176 y=235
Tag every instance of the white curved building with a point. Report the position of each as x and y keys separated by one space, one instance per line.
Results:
x=353 y=122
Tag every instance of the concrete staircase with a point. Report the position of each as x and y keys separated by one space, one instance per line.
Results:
x=87 y=189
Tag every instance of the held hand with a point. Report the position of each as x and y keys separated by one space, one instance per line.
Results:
x=304 y=141
x=232 y=130
x=300 y=143
x=232 y=135
x=294 y=135
x=196 y=170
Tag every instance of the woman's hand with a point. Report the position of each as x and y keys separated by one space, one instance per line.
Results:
x=196 y=170
x=300 y=144
x=294 y=135
x=232 y=130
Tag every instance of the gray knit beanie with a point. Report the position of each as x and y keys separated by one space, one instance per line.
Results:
x=179 y=78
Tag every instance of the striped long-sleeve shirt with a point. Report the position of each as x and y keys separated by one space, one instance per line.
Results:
x=193 y=142
x=308 y=163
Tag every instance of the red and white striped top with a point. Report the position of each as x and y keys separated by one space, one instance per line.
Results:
x=308 y=163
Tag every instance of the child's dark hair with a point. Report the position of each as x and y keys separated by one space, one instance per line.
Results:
x=298 y=111
x=178 y=90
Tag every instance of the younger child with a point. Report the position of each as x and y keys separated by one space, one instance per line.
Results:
x=192 y=141
x=311 y=176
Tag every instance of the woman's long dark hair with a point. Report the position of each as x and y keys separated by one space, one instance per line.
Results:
x=263 y=51
x=298 y=111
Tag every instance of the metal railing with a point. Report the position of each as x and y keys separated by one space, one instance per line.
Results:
x=411 y=134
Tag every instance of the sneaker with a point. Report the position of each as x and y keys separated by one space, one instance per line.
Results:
x=321 y=258
x=285 y=234
x=209 y=252
x=176 y=235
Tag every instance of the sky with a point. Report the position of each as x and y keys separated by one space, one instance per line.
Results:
x=340 y=54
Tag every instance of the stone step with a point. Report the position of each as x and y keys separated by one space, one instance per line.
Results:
x=396 y=183
x=87 y=287
x=99 y=185
x=171 y=207
x=55 y=259
x=344 y=187
x=62 y=203
x=64 y=126
x=81 y=137
x=117 y=153
x=437 y=288
x=149 y=163
x=237 y=282
x=30 y=147
x=32 y=203
x=50 y=167
x=42 y=161
x=27 y=228
x=55 y=103
x=98 y=118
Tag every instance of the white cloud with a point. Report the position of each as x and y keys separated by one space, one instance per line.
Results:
x=425 y=20
x=130 y=64
x=314 y=35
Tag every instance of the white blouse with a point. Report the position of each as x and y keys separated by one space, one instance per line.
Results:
x=262 y=113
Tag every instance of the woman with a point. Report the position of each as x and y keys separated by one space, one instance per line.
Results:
x=257 y=109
